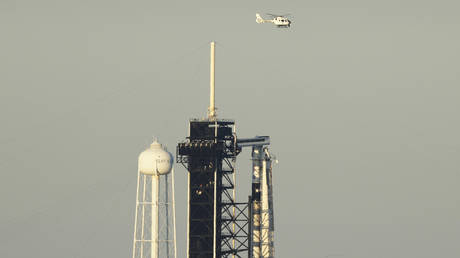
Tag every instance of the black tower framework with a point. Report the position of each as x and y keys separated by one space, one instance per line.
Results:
x=217 y=224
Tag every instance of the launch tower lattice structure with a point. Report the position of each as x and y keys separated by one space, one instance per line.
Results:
x=217 y=224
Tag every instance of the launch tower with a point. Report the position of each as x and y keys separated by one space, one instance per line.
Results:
x=218 y=226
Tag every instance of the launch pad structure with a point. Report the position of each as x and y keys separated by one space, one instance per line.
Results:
x=215 y=228
x=218 y=225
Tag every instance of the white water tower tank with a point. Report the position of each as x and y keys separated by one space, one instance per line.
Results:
x=155 y=160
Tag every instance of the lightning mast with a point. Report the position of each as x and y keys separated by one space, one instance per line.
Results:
x=212 y=81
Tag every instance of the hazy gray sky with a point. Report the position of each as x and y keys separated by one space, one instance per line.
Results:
x=360 y=98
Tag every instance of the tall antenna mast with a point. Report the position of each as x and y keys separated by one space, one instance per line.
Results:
x=212 y=108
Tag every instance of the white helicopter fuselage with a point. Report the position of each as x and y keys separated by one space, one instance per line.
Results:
x=281 y=21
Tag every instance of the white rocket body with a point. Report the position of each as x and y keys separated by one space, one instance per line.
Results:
x=262 y=220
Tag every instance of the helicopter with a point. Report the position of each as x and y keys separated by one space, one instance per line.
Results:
x=279 y=20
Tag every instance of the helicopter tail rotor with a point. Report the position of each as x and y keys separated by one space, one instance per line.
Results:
x=259 y=18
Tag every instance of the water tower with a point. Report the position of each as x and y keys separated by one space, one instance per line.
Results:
x=155 y=225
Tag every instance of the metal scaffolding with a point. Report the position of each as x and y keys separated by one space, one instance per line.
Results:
x=217 y=224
